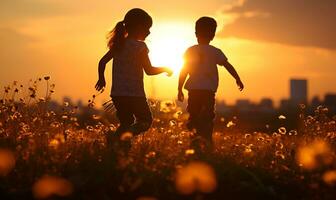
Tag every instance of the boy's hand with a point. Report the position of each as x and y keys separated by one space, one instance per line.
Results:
x=168 y=71
x=180 y=96
x=240 y=84
x=100 y=84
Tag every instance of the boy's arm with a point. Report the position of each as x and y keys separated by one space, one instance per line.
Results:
x=233 y=73
x=182 y=77
x=149 y=69
x=101 y=69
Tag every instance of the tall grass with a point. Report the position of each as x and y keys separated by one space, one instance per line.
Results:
x=47 y=154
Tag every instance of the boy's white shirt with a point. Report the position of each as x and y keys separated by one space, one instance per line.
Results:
x=201 y=63
x=127 y=72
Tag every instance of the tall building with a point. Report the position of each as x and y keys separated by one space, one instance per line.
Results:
x=298 y=91
x=330 y=99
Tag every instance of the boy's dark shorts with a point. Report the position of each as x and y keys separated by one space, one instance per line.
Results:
x=201 y=108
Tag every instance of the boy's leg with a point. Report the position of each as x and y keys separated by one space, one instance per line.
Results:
x=194 y=108
x=142 y=114
x=207 y=115
x=124 y=113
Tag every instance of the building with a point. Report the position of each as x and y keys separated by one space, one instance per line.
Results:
x=298 y=91
x=266 y=105
x=244 y=105
x=330 y=99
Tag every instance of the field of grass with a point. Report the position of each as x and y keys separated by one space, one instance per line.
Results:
x=47 y=154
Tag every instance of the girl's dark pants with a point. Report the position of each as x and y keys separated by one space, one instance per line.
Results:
x=133 y=113
x=201 y=108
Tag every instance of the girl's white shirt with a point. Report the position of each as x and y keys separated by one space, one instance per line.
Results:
x=127 y=72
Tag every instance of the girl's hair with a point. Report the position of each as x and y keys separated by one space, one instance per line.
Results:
x=134 y=19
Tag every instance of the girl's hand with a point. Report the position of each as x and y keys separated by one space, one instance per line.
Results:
x=100 y=84
x=240 y=84
x=168 y=71
x=180 y=96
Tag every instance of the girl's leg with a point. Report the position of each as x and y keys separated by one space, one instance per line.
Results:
x=124 y=113
x=142 y=114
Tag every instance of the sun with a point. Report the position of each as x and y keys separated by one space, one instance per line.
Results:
x=167 y=44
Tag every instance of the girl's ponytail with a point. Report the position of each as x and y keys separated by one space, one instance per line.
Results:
x=116 y=37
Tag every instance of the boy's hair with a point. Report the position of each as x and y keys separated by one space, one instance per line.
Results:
x=206 y=27
x=133 y=19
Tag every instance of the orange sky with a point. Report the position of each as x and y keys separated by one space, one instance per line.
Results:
x=65 y=39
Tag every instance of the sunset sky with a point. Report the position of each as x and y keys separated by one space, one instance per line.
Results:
x=268 y=42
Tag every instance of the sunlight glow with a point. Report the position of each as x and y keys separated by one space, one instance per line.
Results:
x=168 y=42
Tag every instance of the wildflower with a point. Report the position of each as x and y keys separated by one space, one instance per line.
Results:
x=89 y=128
x=172 y=123
x=7 y=161
x=95 y=117
x=190 y=180
x=302 y=106
x=329 y=177
x=33 y=95
x=54 y=143
x=151 y=154
x=292 y=132
x=230 y=123
x=282 y=130
x=248 y=150
x=167 y=106
x=280 y=154
x=313 y=155
x=282 y=117
x=189 y=152
x=177 y=114
x=48 y=186
x=126 y=136
x=41 y=99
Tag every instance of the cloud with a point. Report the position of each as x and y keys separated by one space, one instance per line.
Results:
x=21 y=9
x=293 y=22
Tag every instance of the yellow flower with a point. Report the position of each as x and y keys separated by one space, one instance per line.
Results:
x=196 y=176
x=329 y=177
x=51 y=185
x=7 y=161
x=313 y=155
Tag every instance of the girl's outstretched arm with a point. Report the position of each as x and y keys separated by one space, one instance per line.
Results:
x=101 y=83
x=233 y=73
x=149 y=69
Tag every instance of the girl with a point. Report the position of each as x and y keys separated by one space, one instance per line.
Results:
x=130 y=57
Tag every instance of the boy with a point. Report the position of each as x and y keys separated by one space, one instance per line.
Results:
x=201 y=62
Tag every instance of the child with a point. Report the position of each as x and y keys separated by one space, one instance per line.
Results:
x=130 y=59
x=201 y=62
